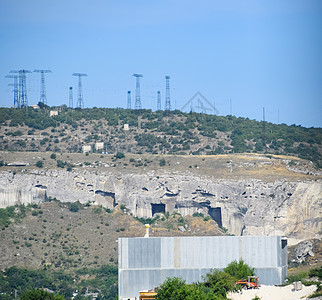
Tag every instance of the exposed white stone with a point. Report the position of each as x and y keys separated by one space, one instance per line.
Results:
x=248 y=207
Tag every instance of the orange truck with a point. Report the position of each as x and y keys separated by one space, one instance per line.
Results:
x=250 y=283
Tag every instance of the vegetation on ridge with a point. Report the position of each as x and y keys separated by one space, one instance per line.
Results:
x=158 y=132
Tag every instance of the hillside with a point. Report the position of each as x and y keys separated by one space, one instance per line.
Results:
x=69 y=236
x=61 y=210
x=69 y=246
x=245 y=193
x=152 y=133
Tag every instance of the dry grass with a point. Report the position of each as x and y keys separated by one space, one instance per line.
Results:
x=230 y=166
x=66 y=240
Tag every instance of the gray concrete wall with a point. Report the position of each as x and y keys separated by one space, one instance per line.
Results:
x=144 y=263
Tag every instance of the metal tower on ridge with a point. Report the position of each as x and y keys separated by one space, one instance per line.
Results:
x=138 y=104
x=23 y=100
x=71 y=97
x=129 y=100
x=15 y=90
x=80 y=102
x=167 y=93
x=158 y=100
x=43 y=97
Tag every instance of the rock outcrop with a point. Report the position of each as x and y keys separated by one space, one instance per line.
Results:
x=244 y=207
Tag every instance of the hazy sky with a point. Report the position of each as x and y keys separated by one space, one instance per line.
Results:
x=256 y=53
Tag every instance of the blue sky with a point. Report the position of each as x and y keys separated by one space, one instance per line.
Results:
x=256 y=53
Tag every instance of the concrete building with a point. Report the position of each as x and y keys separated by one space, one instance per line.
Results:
x=87 y=148
x=53 y=113
x=99 y=146
x=126 y=127
x=144 y=263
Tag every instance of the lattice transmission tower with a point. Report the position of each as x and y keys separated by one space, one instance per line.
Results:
x=70 y=97
x=80 y=101
x=138 y=104
x=158 y=100
x=129 y=99
x=167 y=93
x=43 y=97
x=23 y=100
x=15 y=90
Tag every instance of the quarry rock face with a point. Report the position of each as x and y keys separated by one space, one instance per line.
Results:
x=304 y=250
x=244 y=207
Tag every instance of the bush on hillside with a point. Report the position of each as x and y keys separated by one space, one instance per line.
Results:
x=239 y=270
x=40 y=294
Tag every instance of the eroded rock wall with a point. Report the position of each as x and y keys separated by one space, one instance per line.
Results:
x=244 y=207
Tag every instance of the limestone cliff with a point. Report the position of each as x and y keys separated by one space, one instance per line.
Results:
x=244 y=207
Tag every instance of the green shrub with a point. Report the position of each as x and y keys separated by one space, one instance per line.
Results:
x=123 y=207
x=316 y=272
x=39 y=164
x=53 y=156
x=61 y=164
x=296 y=277
x=40 y=294
x=220 y=283
x=119 y=155
x=74 y=207
x=196 y=214
x=239 y=270
x=172 y=289
x=162 y=162
x=98 y=209
x=147 y=220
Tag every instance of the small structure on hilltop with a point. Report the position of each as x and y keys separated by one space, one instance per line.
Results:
x=87 y=148
x=126 y=127
x=99 y=146
x=53 y=113
x=145 y=263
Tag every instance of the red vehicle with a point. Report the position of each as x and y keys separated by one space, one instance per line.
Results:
x=250 y=283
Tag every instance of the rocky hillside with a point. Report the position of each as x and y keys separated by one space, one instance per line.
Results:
x=147 y=132
x=245 y=194
x=69 y=236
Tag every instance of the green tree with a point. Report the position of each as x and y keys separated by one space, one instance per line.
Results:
x=172 y=289
x=239 y=270
x=40 y=294
x=220 y=283
x=176 y=289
